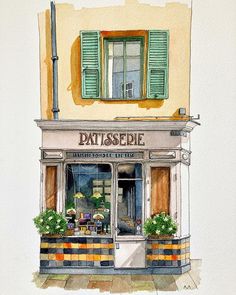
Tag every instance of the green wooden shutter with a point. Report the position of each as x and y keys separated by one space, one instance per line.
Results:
x=90 y=62
x=158 y=45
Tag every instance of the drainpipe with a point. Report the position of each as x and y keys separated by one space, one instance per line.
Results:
x=55 y=108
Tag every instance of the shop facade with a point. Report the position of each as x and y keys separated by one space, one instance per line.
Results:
x=125 y=172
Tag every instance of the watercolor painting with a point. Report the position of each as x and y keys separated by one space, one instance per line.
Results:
x=115 y=153
x=117 y=147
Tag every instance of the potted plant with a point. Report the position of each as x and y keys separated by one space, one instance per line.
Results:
x=160 y=226
x=50 y=223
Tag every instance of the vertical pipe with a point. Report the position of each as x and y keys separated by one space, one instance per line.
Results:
x=55 y=108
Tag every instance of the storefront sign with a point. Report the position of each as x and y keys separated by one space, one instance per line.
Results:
x=100 y=155
x=111 y=139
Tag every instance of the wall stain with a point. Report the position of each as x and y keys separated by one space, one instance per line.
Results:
x=48 y=63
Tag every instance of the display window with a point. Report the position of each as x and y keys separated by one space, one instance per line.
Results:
x=88 y=198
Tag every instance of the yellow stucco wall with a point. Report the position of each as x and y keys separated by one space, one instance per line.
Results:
x=174 y=17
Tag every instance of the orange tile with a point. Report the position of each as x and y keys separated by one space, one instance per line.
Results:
x=67 y=245
x=155 y=246
x=174 y=257
x=168 y=257
x=89 y=246
x=59 y=257
x=82 y=246
x=89 y=257
x=96 y=257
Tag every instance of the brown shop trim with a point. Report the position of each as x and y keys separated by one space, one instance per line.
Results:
x=160 y=190
x=51 y=187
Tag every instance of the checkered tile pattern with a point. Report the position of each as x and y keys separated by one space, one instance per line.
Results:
x=171 y=253
x=77 y=252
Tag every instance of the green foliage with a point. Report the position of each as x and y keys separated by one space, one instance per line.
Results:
x=50 y=222
x=160 y=224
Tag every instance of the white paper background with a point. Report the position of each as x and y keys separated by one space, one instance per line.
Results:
x=213 y=175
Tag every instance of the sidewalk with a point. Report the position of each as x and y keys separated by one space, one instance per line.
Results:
x=123 y=283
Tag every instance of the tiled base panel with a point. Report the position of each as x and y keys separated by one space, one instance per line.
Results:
x=96 y=255
x=174 y=253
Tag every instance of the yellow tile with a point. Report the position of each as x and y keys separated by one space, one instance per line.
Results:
x=176 y=247
x=74 y=256
x=51 y=256
x=168 y=257
x=168 y=246
x=67 y=256
x=187 y=255
x=187 y=244
x=52 y=245
x=44 y=245
x=97 y=246
x=74 y=245
x=161 y=257
x=43 y=256
x=82 y=257
x=182 y=256
x=104 y=257
x=60 y=245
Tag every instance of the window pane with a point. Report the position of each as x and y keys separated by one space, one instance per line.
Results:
x=129 y=207
x=115 y=77
x=130 y=171
x=133 y=48
x=133 y=64
x=118 y=48
x=88 y=191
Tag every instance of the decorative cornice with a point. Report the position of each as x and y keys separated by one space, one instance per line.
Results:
x=94 y=125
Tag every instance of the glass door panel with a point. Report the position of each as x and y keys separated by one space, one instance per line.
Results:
x=129 y=200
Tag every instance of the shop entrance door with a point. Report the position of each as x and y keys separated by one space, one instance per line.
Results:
x=160 y=190
x=129 y=241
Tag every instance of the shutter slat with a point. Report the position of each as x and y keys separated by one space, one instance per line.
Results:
x=90 y=62
x=158 y=64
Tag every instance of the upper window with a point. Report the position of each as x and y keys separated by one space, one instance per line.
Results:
x=124 y=67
